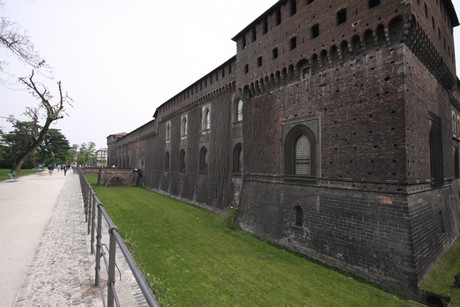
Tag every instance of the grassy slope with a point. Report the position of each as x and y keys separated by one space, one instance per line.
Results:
x=191 y=259
x=441 y=277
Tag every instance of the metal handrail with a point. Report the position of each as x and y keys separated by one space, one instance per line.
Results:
x=93 y=208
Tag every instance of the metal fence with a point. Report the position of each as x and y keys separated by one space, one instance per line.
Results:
x=94 y=214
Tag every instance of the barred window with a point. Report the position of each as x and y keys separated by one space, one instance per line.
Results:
x=300 y=151
x=302 y=156
x=239 y=110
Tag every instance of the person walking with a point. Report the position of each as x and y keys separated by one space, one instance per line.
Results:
x=50 y=169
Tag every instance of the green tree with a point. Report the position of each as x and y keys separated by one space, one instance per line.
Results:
x=17 y=141
x=54 y=149
x=86 y=154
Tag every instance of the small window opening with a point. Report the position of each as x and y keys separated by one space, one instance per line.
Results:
x=275 y=53
x=293 y=7
x=259 y=61
x=265 y=26
x=373 y=3
x=246 y=68
x=278 y=16
x=254 y=34
x=298 y=216
x=293 y=43
x=341 y=16
x=315 y=31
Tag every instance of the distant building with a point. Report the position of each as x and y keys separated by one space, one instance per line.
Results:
x=101 y=157
x=335 y=131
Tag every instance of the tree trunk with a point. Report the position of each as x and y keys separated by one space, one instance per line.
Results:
x=26 y=155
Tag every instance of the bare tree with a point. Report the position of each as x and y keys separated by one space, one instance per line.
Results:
x=53 y=113
x=18 y=43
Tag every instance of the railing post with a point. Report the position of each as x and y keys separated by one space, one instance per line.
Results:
x=98 y=245
x=90 y=205
x=93 y=222
x=111 y=272
x=86 y=204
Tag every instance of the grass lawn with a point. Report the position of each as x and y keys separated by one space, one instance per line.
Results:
x=24 y=172
x=190 y=258
x=441 y=277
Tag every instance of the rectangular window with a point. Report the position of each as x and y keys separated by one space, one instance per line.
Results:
x=275 y=53
x=341 y=16
x=265 y=26
x=259 y=61
x=293 y=7
x=278 y=16
x=315 y=31
x=373 y=3
x=246 y=68
x=293 y=43
x=254 y=34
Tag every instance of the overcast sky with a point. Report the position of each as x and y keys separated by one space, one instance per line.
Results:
x=120 y=60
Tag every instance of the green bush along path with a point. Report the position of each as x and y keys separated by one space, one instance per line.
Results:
x=4 y=173
x=190 y=258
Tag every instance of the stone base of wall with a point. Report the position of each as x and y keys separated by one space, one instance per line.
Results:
x=388 y=239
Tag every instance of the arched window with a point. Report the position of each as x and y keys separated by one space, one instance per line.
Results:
x=184 y=126
x=238 y=158
x=300 y=151
x=207 y=119
x=182 y=161
x=298 y=215
x=239 y=110
x=204 y=159
x=168 y=131
x=167 y=161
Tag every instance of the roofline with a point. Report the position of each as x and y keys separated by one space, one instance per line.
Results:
x=258 y=19
x=233 y=58
x=447 y=3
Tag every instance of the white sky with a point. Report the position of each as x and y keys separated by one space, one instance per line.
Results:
x=120 y=60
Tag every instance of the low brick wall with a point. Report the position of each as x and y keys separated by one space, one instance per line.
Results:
x=111 y=176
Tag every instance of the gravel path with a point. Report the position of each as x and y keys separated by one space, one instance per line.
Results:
x=61 y=271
